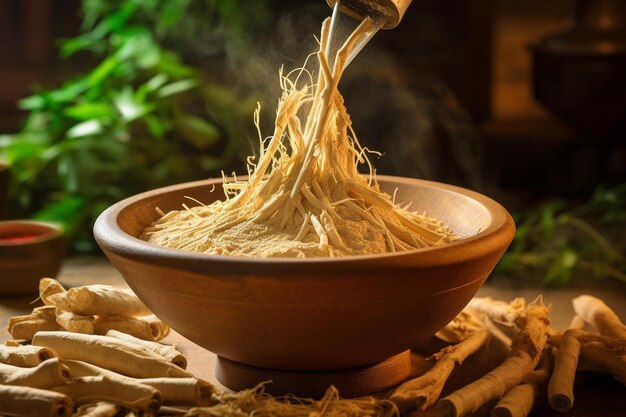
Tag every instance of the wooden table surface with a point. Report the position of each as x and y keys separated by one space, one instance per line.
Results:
x=595 y=395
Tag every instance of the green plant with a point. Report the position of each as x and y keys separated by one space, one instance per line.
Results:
x=559 y=241
x=140 y=119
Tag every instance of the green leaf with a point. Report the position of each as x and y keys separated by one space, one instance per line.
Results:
x=45 y=100
x=93 y=10
x=560 y=272
x=117 y=20
x=68 y=92
x=196 y=131
x=23 y=151
x=149 y=56
x=6 y=140
x=63 y=211
x=91 y=127
x=34 y=102
x=129 y=107
x=137 y=43
x=177 y=87
x=155 y=82
x=68 y=173
x=102 y=71
x=172 y=11
x=156 y=126
x=87 y=111
x=150 y=86
x=70 y=46
x=170 y=64
x=76 y=140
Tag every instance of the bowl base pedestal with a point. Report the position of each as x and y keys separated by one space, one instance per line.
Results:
x=352 y=382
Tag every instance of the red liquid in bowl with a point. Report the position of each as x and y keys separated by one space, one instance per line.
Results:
x=18 y=238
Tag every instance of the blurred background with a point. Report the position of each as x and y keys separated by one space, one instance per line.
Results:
x=524 y=101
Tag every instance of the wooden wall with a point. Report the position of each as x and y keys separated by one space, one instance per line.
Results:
x=28 y=29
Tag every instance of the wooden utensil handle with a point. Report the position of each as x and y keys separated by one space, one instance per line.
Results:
x=392 y=10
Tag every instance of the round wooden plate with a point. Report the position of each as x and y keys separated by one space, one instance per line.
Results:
x=354 y=382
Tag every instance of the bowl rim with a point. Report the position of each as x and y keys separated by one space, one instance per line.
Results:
x=54 y=231
x=499 y=233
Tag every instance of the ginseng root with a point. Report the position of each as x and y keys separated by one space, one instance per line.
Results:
x=304 y=196
x=49 y=287
x=168 y=352
x=118 y=391
x=24 y=355
x=423 y=391
x=499 y=311
x=561 y=386
x=520 y=400
x=599 y=357
x=33 y=402
x=45 y=375
x=108 y=352
x=41 y=319
x=105 y=300
x=521 y=361
x=174 y=391
x=100 y=409
x=595 y=312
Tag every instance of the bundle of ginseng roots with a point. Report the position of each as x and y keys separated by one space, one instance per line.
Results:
x=91 y=309
x=304 y=196
x=63 y=374
x=538 y=356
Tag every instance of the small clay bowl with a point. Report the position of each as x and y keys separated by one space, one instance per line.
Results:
x=309 y=314
x=29 y=251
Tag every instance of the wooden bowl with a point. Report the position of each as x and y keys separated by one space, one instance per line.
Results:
x=309 y=314
x=29 y=250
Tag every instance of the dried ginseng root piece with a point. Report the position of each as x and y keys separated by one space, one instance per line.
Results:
x=468 y=334
x=174 y=391
x=91 y=309
x=168 y=352
x=73 y=322
x=110 y=353
x=24 y=355
x=604 y=358
x=499 y=311
x=521 y=361
x=49 y=287
x=129 y=325
x=45 y=375
x=148 y=328
x=183 y=391
x=104 y=300
x=595 y=312
x=131 y=394
x=99 y=409
x=41 y=319
x=578 y=349
x=33 y=402
x=561 y=387
x=520 y=400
